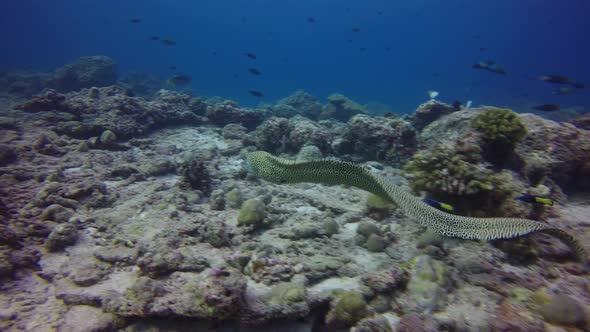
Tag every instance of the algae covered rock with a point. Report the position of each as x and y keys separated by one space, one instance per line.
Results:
x=63 y=235
x=366 y=228
x=375 y=243
x=309 y=153
x=252 y=213
x=378 y=208
x=564 y=310
x=233 y=198
x=347 y=309
x=428 y=283
x=330 y=227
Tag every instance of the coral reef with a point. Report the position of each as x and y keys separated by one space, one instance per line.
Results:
x=226 y=112
x=86 y=72
x=377 y=138
x=298 y=103
x=429 y=112
x=80 y=115
x=341 y=108
x=455 y=177
x=139 y=214
x=140 y=84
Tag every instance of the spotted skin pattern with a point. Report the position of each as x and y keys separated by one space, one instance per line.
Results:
x=284 y=171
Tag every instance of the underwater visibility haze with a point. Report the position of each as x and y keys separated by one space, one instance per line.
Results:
x=259 y=165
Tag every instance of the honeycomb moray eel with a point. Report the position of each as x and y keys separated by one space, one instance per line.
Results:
x=283 y=171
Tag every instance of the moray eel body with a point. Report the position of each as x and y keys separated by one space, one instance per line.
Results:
x=283 y=171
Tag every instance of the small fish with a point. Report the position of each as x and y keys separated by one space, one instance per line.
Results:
x=256 y=93
x=168 y=42
x=468 y=104
x=179 y=80
x=578 y=85
x=387 y=49
x=481 y=49
x=356 y=29
x=172 y=68
x=254 y=71
x=535 y=199
x=379 y=12
x=555 y=79
x=432 y=94
x=251 y=55
x=490 y=66
x=547 y=107
x=154 y=38
x=563 y=90
x=135 y=20
x=362 y=49
x=439 y=205
x=311 y=20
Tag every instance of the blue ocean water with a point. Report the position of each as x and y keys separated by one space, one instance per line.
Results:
x=401 y=48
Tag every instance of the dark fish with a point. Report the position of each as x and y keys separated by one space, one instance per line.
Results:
x=481 y=49
x=254 y=71
x=578 y=85
x=547 y=107
x=172 y=67
x=236 y=76
x=490 y=66
x=250 y=55
x=388 y=49
x=168 y=42
x=362 y=49
x=311 y=20
x=457 y=105
x=349 y=40
x=214 y=53
x=535 y=199
x=435 y=75
x=256 y=93
x=356 y=29
x=135 y=20
x=379 y=12
x=154 y=38
x=475 y=36
x=564 y=90
x=555 y=79
x=179 y=80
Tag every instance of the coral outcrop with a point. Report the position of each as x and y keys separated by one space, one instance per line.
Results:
x=377 y=138
x=86 y=72
x=341 y=108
